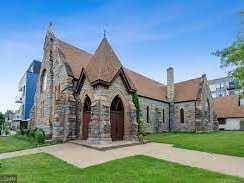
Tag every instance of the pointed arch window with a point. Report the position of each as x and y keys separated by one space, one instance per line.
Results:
x=163 y=116
x=182 y=116
x=148 y=117
x=87 y=104
x=117 y=104
x=43 y=81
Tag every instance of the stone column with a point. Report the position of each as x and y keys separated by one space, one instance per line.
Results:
x=133 y=126
x=99 y=125
x=58 y=121
x=70 y=117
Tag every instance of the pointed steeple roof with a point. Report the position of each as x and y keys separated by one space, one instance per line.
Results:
x=49 y=35
x=104 y=64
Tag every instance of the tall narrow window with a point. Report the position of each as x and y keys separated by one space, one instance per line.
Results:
x=147 y=114
x=182 y=120
x=43 y=81
x=163 y=116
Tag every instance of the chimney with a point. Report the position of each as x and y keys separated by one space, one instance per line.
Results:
x=170 y=84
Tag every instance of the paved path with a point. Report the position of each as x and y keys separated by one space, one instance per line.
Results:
x=84 y=157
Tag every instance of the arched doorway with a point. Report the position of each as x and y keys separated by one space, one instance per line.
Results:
x=86 y=117
x=117 y=119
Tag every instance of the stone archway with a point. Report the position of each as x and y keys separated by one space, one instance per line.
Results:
x=86 y=118
x=117 y=119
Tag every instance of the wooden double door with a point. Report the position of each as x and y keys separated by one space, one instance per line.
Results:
x=117 y=125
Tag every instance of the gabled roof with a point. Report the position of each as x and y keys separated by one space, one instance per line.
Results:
x=104 y=64
x=188 y=90
x=184 y=91
x=228 y=107
x=147 y=87
x=75 y=57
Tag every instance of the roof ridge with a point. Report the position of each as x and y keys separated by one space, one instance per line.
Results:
x=157 y=82
x=188 y=80
x=72 y=46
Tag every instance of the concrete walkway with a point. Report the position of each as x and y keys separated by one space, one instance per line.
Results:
x=84 y=157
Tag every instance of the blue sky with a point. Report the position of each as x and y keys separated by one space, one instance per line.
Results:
x=148 y=36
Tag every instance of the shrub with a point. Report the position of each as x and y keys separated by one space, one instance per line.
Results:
x=39 y=136
x=7 y=131
x=18 y=132
x=31 y=133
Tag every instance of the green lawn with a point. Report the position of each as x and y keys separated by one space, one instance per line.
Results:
x=229 y=143
x=14 y=143
x=46 y=168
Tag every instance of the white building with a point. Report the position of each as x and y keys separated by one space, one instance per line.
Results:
x=224 y=87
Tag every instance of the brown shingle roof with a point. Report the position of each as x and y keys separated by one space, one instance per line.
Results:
x=187 y=90
x=104 y=64
x=228 y=107
x=147 y=87
x=75 y=57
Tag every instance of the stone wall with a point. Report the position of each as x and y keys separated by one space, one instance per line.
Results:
x=101 y=98
x=189 y=116
x=54 y=108
x=155 y=123
x=205 y=120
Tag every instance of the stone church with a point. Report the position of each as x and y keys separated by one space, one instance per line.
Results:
x=88 y=96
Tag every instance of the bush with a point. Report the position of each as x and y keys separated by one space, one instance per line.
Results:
x=18 y=132
x=39 y=136
x=7 y=131
x=31 y=133
x=24 y=131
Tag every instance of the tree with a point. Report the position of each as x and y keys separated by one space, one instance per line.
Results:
x=2 y=121
x=232 y=57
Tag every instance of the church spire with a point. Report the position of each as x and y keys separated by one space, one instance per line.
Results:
x=49 y=35
x=104 y=33
x=50 y=29
x=50 y=26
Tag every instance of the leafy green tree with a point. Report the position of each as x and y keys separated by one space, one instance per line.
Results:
x=2 y=121
x=232 y=57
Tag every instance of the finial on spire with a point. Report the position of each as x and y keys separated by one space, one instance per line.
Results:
x=104 y=33
x=50 y=27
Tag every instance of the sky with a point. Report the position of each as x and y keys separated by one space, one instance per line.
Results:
x=148 y=36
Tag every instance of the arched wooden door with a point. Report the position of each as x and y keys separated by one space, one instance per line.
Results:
x=117 y=119
x=86 y=118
